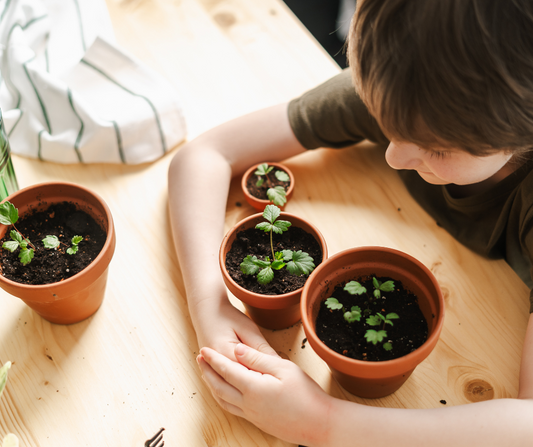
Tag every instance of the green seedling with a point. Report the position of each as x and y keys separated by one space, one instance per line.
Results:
x=276 y=194
x=296 y=262
x=354 y=314
x=387 y=286
x=9 y=215
x=375 y=337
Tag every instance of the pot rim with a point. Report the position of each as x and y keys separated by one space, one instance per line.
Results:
x=110 y=238
x=289 y=297
x=416 y=356
x=252 y=168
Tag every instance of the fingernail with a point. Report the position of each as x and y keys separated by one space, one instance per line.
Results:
x=240 y=349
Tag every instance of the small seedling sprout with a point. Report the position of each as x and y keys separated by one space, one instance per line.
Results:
x=276 y=194
x=387 y=286
x=296 y=262
x=9 y=216
x=371 y=335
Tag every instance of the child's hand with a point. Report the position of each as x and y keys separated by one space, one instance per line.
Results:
x=221 y=326
x=272 y=393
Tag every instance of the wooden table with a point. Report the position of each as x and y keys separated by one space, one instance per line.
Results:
x=116 y=378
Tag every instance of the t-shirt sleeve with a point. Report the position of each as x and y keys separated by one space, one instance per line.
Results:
x=332 y=115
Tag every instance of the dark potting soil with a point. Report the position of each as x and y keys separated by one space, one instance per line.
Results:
x=65 y=221
x=260 y=192
x=257 y=243
x=408 y=333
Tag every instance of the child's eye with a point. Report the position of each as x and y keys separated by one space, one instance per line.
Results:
x=437 y=154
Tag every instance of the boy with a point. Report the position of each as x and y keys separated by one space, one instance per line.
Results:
x=449 y=84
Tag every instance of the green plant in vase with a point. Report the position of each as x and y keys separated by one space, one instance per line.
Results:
x=296 y=262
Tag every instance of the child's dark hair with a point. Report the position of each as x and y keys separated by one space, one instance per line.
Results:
x=453 y=71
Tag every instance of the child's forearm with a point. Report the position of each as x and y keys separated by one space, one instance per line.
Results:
x=199 y=180
x=502 y=422
x=499 y=422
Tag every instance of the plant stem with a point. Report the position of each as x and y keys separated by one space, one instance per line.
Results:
x=24 y=238
x=271 y=245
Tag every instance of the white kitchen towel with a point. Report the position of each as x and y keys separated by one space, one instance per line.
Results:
x=69 y=94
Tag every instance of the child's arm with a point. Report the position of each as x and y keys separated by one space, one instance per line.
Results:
x=281 y=399
x=199 y=179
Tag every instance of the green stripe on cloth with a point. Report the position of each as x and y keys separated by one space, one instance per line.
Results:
x=156 y=115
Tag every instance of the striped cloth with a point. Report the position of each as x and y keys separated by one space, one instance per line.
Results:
x=69 y=94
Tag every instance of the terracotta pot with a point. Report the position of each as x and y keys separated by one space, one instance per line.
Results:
x=363 y=378
x=260 y=204
x=80 y=296
x=268 y=311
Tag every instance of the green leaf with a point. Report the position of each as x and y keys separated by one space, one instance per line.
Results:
x=387 y=346
x=278 y=264
x=263 y=169
x=387 y=286
x=353 y=315
x=265 y=276
x=301 y=264
x=280 y=226
x=282 y=176
x=375 y=337
x=15 y=235
x=11 y=245
x=72 y=250
x=287 y=255
x=389 y=317
x=248 y=265
x=76 y=239
x=374 y=320
x=3 y=376
x=376 y=282
x=271 y=213
x=26 y=255
x=51 y=242
x=260 y=182
x=265 y=226
x=8 y=213
x=277 y=195
x=333 y=304
x=354 y=288
x=377 y=293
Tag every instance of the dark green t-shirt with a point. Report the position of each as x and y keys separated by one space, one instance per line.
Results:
x=497 y=223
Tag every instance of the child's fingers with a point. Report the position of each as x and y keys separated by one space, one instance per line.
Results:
x=230 y=371
x=257 y=342
x=227 y=396
x=258 y=361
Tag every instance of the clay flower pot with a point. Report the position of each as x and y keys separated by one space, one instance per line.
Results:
x=260 y=204
x=268 y=311
x=364 y=378
x=79 y=296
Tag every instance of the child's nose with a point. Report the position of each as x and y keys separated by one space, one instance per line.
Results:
x=403 y=156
